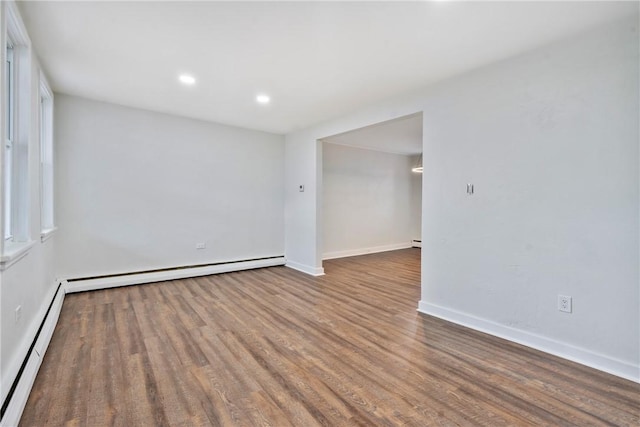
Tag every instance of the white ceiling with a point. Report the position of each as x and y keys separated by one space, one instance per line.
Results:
x=401 y=136
x=317 y=60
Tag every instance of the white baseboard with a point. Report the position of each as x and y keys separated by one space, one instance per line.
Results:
x=364 y=251
x=21 y=394
x=576 y=354
x=23 y=389
x=160 y=276
x=416 y=243
x=50 y=324
x=9 y=375
x=305 y=268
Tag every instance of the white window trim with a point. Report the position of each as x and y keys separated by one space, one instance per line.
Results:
x=46 y=234
x=45 y=92
x=14 y=253
x=18 y=247
x=8 y=133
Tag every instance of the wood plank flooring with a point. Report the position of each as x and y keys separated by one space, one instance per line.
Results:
x=277 y=347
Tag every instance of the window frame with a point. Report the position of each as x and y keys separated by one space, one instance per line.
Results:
x=17 y=194
x=47 y=173
x=9 y=105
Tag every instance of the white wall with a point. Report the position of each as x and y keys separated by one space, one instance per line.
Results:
x=416 y=202
x=550 y=140
x=367 y=201
x=303 y=210
x=29 y=282
x=137 y=190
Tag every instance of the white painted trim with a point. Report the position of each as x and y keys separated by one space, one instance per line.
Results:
x=576 y=354
x=50 y=324
x=45 y=86
x=305 y=268
x=46 y=234
x=160 y=276
x=14 y=252
x=23 y=389
x=10 y=374
x=15 y=26
x=364 y=251
x=416 y=244
x=21 y=394
x=16 y=29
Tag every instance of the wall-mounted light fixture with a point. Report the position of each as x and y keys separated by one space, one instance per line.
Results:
x=418 y=167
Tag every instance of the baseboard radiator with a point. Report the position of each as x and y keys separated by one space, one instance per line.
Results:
x=18 y=394
x=150 y=276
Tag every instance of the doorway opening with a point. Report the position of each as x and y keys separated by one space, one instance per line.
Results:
x=371 y=190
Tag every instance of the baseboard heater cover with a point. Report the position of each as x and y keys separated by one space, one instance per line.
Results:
x=20 y=389
x=172 y=273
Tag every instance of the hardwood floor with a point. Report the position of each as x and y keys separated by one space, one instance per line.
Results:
x=277 y=347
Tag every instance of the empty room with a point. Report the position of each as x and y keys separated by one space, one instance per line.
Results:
x=320 y=213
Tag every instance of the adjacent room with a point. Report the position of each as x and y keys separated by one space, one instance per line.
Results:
x=371 y=189
x=320 y=213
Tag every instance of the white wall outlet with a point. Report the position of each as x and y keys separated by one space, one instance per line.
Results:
x=201 y=245
x=18 y=313
x=301 y=188
x=564 y=303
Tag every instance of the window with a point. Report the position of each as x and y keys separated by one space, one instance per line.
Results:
x=46 y=159
x=15 y=97
x=8 y=145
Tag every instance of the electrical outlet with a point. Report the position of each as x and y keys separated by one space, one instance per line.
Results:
x=18 y=313
x=301 y=188
x=201 y=245
x=564 y=303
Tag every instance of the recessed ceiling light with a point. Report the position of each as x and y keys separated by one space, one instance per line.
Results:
x=263 y=99
x=187 y=79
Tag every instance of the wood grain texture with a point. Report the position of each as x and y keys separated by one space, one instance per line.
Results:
x=277 y=347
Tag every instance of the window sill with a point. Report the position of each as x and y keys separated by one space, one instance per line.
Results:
x=14 y=252
x=46 y=234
